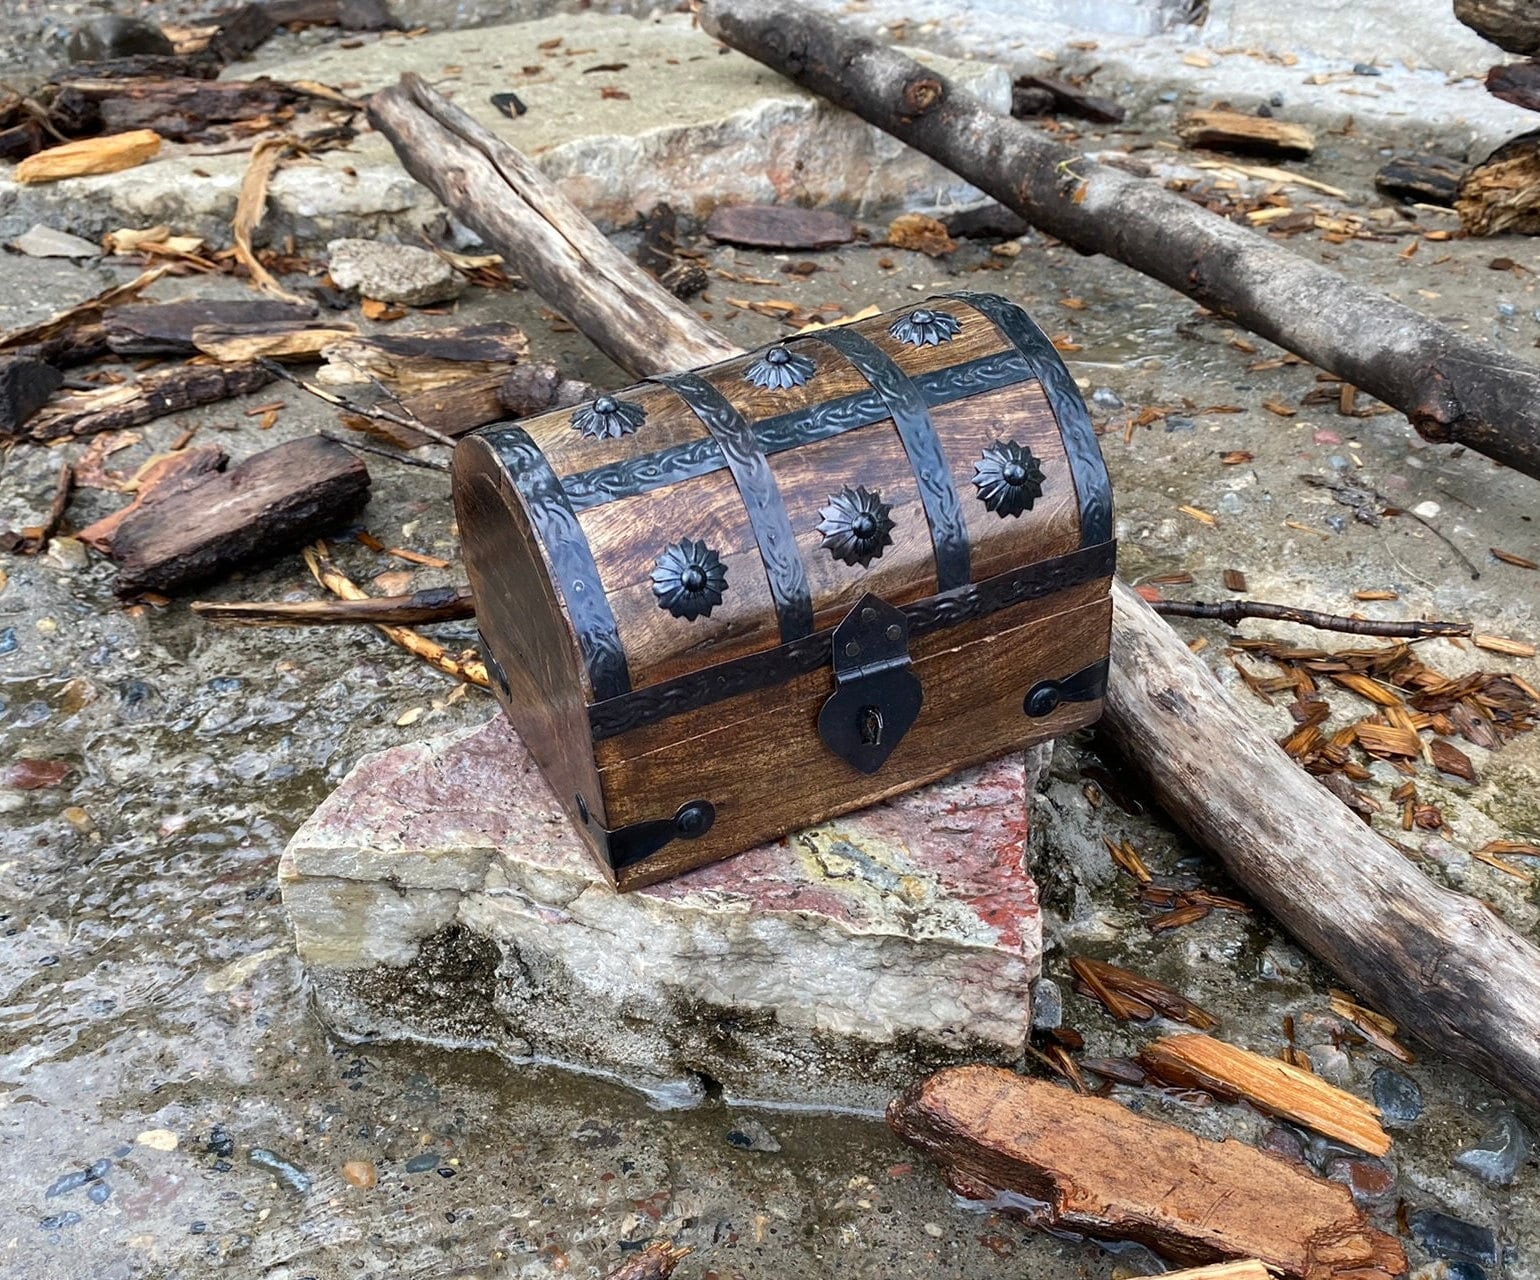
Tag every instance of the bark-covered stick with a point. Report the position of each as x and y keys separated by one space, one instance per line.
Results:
x=1441 y=964
x=1454 y=390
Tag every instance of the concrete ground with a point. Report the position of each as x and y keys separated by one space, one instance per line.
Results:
x=174 y=1109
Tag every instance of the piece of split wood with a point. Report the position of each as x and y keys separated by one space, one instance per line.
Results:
x=87 y=156
x=1226 y=130
x=1249 y=1269
x=1270 y=1085
x=1089 y=1165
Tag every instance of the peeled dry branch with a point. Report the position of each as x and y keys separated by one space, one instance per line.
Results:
x=1269 y=1084
x=87 y=156
x=1455 y=390
x=1234 y=611
x=1250 y=1269
x=503 y=197
x=1096 y=1168
x=436 y=604
x=166 y=328
x=462 y=666
x=1346 y=895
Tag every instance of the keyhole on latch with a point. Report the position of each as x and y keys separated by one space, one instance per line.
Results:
x=871 y=727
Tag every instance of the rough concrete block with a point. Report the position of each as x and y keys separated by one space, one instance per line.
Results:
x=439 y=895
x=684 y=121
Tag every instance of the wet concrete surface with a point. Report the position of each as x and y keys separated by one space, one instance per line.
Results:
x=150 y=991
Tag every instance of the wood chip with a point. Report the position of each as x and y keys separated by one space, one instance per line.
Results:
x=87 y=156
x=1376 y=1027
x=1200 y=1062
x=1387 y=740
x=1448 y=758
x=1280 y=408
x=250 y=204
x=1202 y=517
x=922 y=234
x=1234 y=580
x=1507 y=557
x=1092 y=1166
x=1500 y=644
x=1235 y=131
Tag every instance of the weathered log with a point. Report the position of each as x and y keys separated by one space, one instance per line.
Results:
x=142 y=66
x=25 y=385
x=504 y=198
x=1440 y=963
x=1516 y=82
x=434 y=604
x=1502 y=193
x=166 y=328
x=1089 y=1165
x=1513 y=25
x=1455 y=390
x=153 y=395
x=207 y=521
x=185 y=109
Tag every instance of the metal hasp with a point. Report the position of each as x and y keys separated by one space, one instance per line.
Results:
x=877 y=696
x=625 y=846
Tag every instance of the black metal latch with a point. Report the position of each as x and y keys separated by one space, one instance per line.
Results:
x=877 y=696
x=626 y=846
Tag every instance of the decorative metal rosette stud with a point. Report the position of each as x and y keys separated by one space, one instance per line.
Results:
x=856 y=526
x=779 y=369
x=689 y=580
x=608 y=418
x=926 y=328
x=1009 y=479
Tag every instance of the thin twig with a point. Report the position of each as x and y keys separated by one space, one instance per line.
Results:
x=465 y=666
x=348 y=406
x=437 y=604
x=1336 y=487
x=395 y=455
x=1234 y=611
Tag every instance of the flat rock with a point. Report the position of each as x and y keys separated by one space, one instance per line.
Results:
x=393 y=272
x=439 y=895
x=684 y=121
x=44 y=242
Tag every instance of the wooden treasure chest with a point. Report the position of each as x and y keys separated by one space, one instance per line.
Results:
x=724 y=605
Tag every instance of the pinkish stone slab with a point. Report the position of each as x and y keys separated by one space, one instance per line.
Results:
x=439 y=894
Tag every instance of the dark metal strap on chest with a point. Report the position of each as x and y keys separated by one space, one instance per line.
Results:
x=761 y=500
x=932 y=473
x=572 y=560
x=1086 y=466
x=1089 y=684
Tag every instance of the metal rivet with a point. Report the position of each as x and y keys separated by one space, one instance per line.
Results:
x=868 y=614
x=895 y=633
x=852 y=650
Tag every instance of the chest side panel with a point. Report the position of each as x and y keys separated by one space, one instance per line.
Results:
x=539 y=676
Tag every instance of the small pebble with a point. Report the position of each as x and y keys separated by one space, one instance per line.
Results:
x=1332 y=1065
x=1325 y=436
x=360 y=1174
x=422 y=1163
x=1398 y=1097
x=1047 y=1005
x=1507 y=309
x=1366 y=69
x=1427 y=510
x=1107 y=398
x=1336 y=523
x=1369 y=1180
x=98 y=1193
x=1501 y=1152
x=1338 y=462
x=1168 y=95
x=1231 y=504
x=1447 y=1237
x=297 y=1178
x=1178 y=423
x=1285 y=1142
x=750 y=1135
x=1276 y=100
x=157 y=1140
x=932 y=1230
